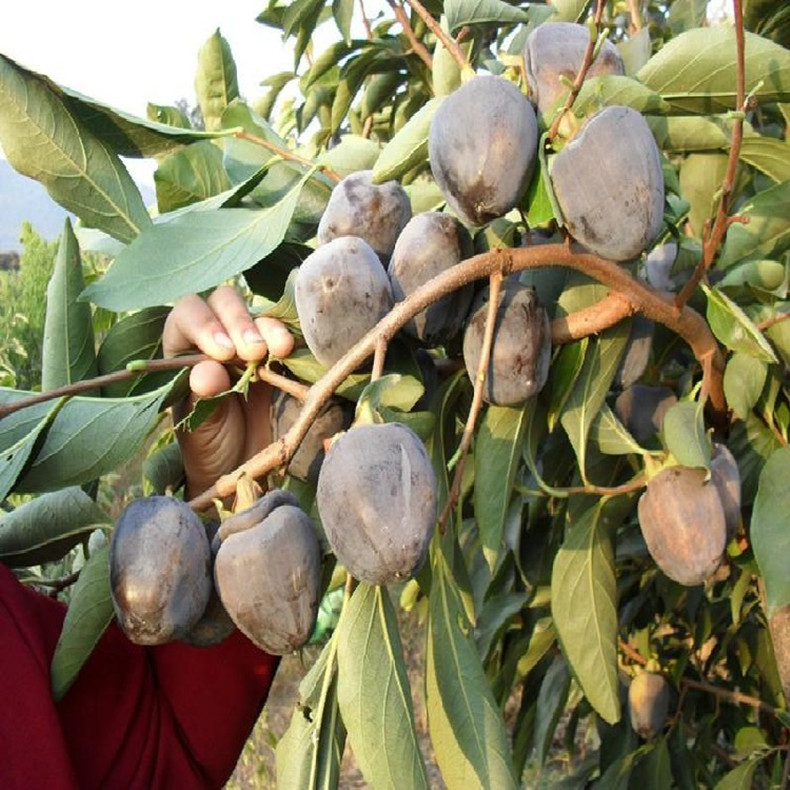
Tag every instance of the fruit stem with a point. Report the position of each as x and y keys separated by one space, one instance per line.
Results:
x=450 y=44
x=495 y=285
x=713 y=238
x=587 y=61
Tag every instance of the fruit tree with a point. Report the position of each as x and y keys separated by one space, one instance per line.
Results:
x=536 y=260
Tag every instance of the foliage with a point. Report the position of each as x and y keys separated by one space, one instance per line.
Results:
x=539 y=598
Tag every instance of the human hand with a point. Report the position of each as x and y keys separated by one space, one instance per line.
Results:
x=222 y=328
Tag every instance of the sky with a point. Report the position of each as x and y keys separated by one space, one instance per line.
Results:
x=129 y=54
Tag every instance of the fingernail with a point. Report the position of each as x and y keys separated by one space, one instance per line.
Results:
x=221 y=339
x=252 y=337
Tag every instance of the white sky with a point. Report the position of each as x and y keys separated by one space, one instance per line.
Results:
x=127 y=54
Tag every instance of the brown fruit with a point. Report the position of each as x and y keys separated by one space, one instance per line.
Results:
x=556 y=49
x=727 y=479
x=482 y=147
x=648 y=704
x=641 y=409
x=377 y=500
x=683 y=524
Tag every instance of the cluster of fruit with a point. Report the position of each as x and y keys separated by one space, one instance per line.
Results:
x=376 y=489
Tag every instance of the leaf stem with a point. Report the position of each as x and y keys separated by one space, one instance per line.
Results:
x=285 y=153
x=449 y=43
x=581 y=75
x=712 y=240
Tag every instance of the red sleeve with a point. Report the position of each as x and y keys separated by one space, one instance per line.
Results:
x=165 y=717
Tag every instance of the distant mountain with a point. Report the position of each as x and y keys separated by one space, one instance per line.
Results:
x=24 y=199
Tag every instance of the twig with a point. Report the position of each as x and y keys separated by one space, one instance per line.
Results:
x=58 y=585
x=450 y=45
x=734 y=697
x=712 y=240
x=379 y=357
x=633 y=654
x=365 y=20
x=495 y=286
x=581 y=75
x=636 y=16
x=141 y=368
x=769 y=322
x=685 y=322
x=417 y=46
x=283 y=152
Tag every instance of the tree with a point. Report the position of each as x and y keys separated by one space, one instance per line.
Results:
x=547 y=582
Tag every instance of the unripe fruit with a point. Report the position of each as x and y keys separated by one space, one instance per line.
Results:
x=160 y=564
x=269 y=577
x=609 y=184
x=482 y=147
x=642 y=408
x=726 y=476
x=375 y=212
x=683 y=524
x=306 y=461
x=648 y=704
x=377 y=500
x=431 y=243
x=557 y=49
x=341 y=292
x=521 y=350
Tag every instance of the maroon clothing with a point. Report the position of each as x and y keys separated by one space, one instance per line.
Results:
x=173 y=716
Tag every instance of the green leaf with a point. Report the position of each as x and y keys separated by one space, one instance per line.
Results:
x=768 y=155
x=551 y=703
x=497 y=455
x=569 y=10
x=540 y=208
x=584 y=608
x=678 y=134
x=388 y=392
x=92 y=436
x=744 y=379
x=409 y=147
x=611 y=435
x=686 y=14
x=306 y=368
x=466 y=726
x=42 y=138
x=565 y=370
x=190 y=175
x=767 y=233
x=696 y=71
x=90 y=612
x=770 y=528
x=374 y=694
x=740 y=778
x=603 y=91
x=352 y=154
x=135 y=337
x=734 y=328
x=701 y=176
x=45 y=528
x=588 y=395
x=684 y=434
x=766 y=276
x=476 y=12
x=193 y=252
x=215 y=82
x=69 y=351
x=19 y=434
x=343 y=13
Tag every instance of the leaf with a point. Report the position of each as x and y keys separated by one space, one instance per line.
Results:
x=190 y=175
x=734 y=328
x=739 y=778
x=42 y=138
x=45 y=528
x=551 y=702
x=92 y=436
x=192 y=253
x=768 y=155
x=686 y=14
x=374 y=694
x=391 y=391
x=584 y=608
x=766 y=276
x=90 y=612
x=352 y=154
x=591 y=388
x=767 y=234
x=770 y=528
x=744 y=379
x=19 y=433
x=684 y=434
x=466 y=726
x=476 y=12
x=134 y=337
x=611 y=435
x=215 y=82
x=306 y=368
x=68 y=352
x=409 y=147
x=343 y=13
x=696 y=71
x=497 y=455
x=678 y=134
x=603 y=91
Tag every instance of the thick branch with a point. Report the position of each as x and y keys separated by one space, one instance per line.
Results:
x=685 y=322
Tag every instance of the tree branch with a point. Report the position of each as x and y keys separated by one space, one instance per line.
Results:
x=449 y=44
x=417 y=46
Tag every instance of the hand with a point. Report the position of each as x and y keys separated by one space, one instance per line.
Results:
x=222 y=328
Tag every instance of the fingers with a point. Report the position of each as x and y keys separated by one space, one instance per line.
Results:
x=279 y=340
x=192 y=324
